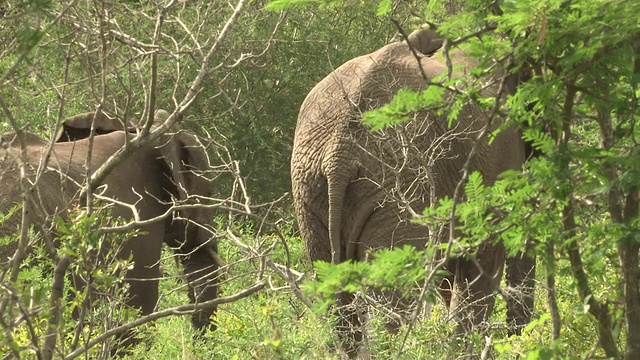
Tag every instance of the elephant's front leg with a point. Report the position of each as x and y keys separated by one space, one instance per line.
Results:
x=144 y=277
x=143 y=280
x=200 y=272
x=200 y=269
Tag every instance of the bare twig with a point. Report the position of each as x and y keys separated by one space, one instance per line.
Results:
x=57 y=292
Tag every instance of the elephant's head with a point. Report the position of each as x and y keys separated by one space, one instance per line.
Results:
x=188 y=162
x=185 y=158
x=190 y=233
x=426 y=41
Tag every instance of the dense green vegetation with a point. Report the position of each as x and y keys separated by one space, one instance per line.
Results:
x=238 y=83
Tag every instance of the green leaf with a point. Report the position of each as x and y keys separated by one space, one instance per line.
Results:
x=475 y=189
x=384 y=7
x=279 y=5
x=404 y=104
x=543 y=353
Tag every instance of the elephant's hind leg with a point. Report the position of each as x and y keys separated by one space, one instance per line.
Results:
x=520 y=279
x=474 y=286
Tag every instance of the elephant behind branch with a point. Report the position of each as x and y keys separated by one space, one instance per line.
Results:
x=172 y=170
x=355 y=190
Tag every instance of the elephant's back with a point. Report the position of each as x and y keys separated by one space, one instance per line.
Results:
x=127 y=182
x=335 y=105
x=101 y=147
x=52 y=193
x=369 y=81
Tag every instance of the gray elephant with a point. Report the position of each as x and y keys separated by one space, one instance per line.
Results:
x=355 y=190
x=173 y=169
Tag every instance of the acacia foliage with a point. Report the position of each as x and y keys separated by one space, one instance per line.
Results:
x=578 y=200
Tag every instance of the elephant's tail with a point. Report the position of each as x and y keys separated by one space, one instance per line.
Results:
x=336 y=187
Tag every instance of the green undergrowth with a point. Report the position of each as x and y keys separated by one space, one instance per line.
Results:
x=274 y=324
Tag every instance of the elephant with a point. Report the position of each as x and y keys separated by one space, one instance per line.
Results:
x=355 y=190
x=170 y=170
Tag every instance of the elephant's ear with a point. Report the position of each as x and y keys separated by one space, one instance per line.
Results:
x=189 y=163
x=426 y=41
x=79 y=127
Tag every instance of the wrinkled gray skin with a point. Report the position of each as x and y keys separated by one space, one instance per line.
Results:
x=150 y=178
x=352 y=188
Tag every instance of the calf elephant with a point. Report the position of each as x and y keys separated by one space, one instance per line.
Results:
x=171 y=170
x=355 y=190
